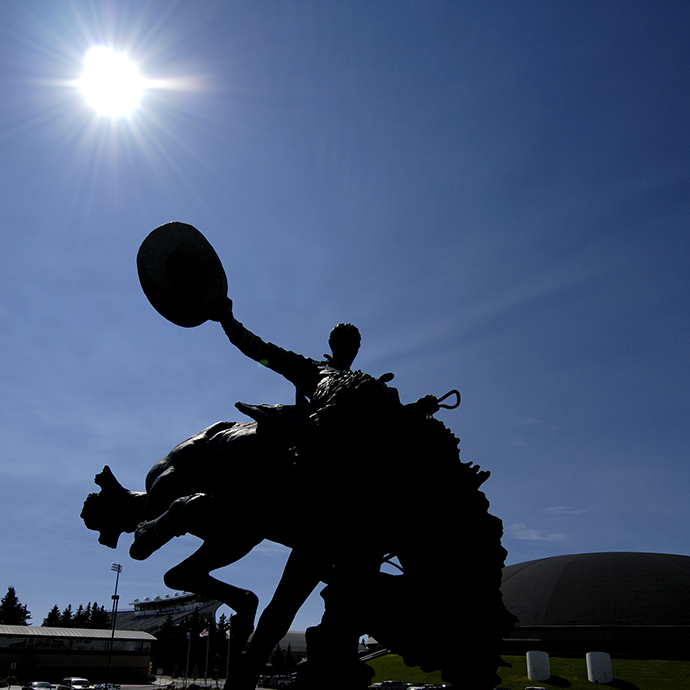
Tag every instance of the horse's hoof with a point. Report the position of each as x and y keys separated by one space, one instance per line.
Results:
x=149 y=537
x=139 y=551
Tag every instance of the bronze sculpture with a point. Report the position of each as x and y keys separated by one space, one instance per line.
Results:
x=301 y=455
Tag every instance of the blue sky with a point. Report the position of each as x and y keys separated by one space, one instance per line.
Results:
x=496 y=193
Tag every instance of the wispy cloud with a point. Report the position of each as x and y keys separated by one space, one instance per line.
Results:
x=520 y=531
x=566 y=510
x=531 y=421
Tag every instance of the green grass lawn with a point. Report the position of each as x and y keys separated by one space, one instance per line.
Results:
x=628 y=674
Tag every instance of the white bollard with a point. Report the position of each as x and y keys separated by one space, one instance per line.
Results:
x=538 y=667
x=599 y=667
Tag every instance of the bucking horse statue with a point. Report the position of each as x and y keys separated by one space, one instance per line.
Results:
x=347 y=441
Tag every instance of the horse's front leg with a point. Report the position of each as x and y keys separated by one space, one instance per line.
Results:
x=180 y=518
x=202 y=515
x=192 y=575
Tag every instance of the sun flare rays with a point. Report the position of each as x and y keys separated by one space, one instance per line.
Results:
x=111 y=83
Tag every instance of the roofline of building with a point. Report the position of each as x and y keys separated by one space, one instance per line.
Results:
x=576 y=626
x=44 y=631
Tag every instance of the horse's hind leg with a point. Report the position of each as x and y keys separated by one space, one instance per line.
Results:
x=299 y=579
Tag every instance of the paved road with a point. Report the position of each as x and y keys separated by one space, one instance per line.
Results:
x=159 y=685
x=180 y=684
x=162 y=682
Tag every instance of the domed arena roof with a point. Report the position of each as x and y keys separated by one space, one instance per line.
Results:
x=600 y=589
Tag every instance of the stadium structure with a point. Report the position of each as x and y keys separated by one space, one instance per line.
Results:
x=149 y=614
x=626 y=604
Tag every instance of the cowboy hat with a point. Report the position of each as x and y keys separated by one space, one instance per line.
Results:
x=181 y=274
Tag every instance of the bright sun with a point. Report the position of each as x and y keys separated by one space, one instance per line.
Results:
x=111 y=83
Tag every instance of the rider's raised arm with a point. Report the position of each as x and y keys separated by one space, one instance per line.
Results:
x=299 y=370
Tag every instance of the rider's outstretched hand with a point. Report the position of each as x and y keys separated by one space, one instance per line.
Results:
x=223 y=312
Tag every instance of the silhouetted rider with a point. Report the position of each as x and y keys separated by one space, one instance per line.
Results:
x=303 y=372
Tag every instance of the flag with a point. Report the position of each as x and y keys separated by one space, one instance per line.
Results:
x=204 y=633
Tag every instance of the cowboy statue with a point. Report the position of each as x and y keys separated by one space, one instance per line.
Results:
x=347 y=440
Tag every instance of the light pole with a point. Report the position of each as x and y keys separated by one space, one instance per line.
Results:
x=117 y=568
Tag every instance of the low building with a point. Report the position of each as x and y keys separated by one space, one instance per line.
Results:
x=41 y=653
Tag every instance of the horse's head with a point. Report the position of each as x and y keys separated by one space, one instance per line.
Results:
x=113 y=510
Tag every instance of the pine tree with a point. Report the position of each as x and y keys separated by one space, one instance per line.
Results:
x=79 y=619
x=290 y=663
x=12 y=612
x=170 y=647
x=100 y=618
x=278 y=661
x=223 y=624
x=66 y=617
x=52 y=620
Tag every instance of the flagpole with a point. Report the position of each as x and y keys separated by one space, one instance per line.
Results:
x=228 y=633
x=189 y=644
x=208 y=644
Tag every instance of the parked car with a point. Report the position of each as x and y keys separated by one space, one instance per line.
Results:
x=37 y=685
x=107 y=686
x=74 y=683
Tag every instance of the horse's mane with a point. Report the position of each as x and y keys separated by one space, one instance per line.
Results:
x=350 y=391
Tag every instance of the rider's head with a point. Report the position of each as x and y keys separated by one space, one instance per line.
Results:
x=344 y=342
